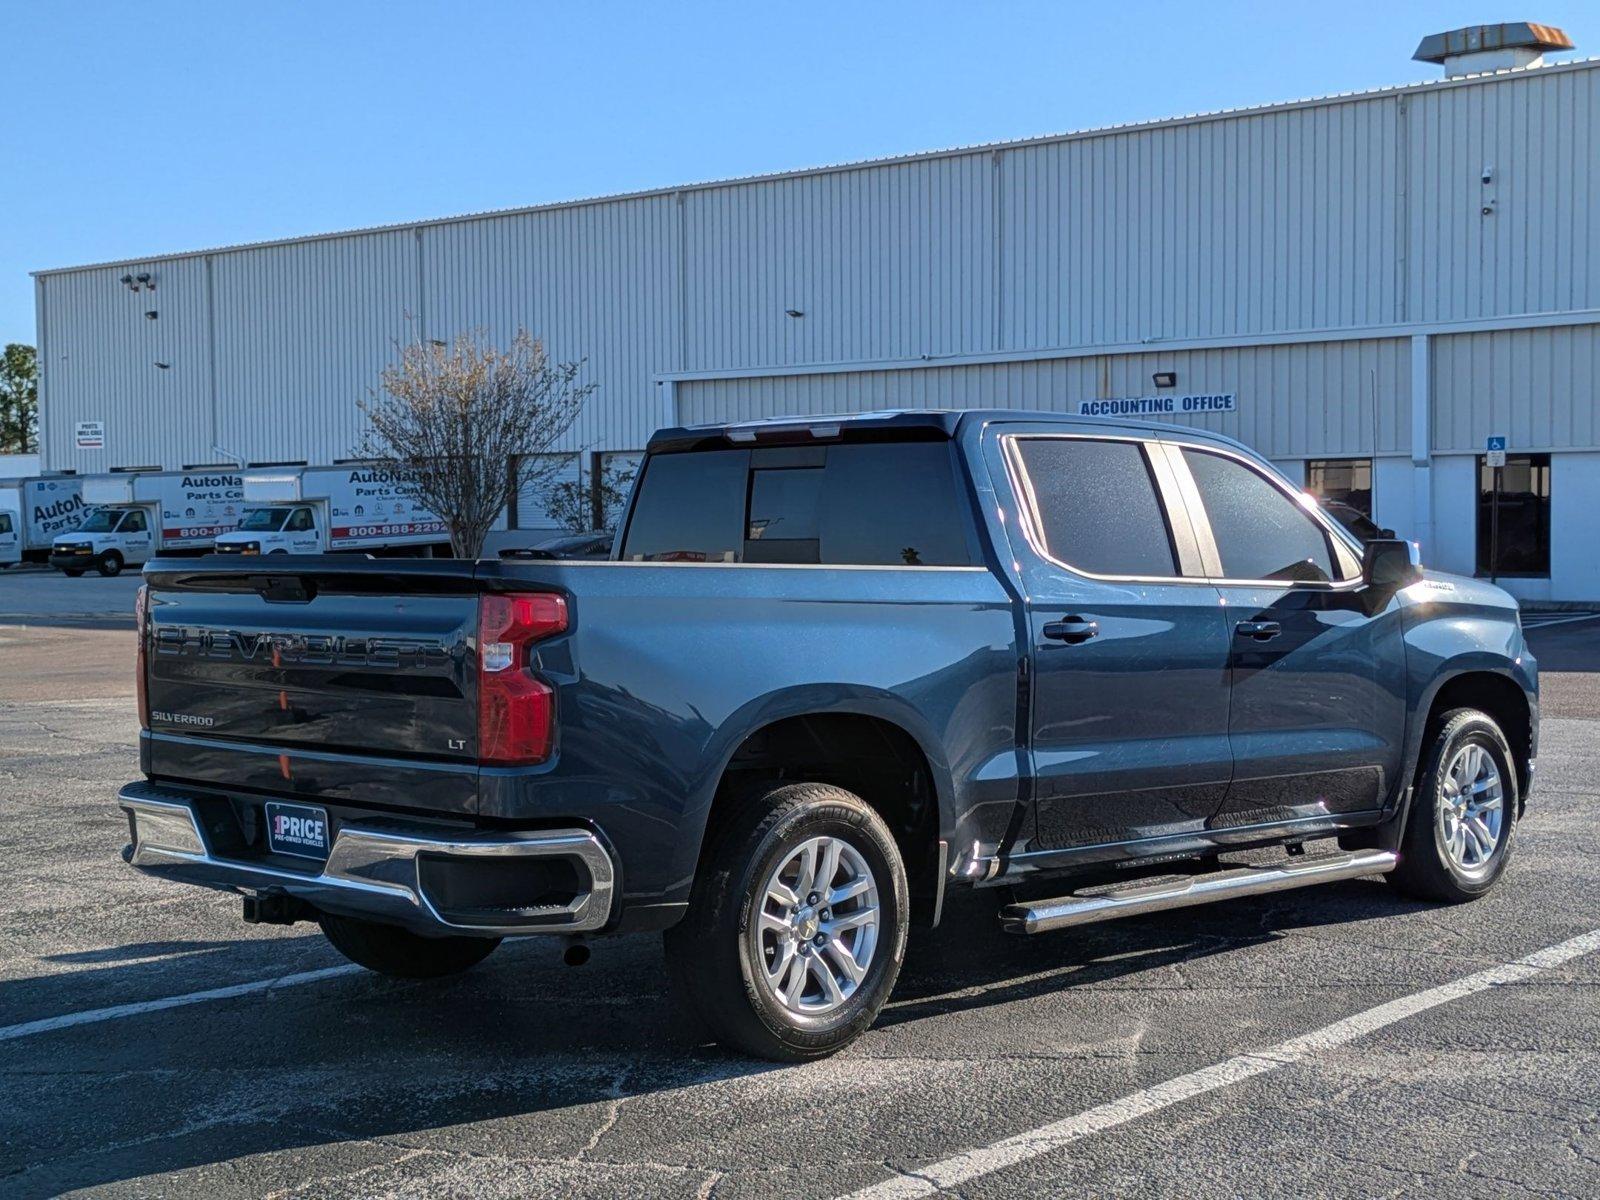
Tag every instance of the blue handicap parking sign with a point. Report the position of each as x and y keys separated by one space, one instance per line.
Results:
x=1497 y=443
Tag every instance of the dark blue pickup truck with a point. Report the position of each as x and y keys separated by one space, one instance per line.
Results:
x=834 y=668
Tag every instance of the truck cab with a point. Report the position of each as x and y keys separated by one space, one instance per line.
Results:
x=10 y=537
x=113 y=536
x=278 y=528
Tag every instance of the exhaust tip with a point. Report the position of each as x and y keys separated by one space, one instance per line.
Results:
x=576 y=954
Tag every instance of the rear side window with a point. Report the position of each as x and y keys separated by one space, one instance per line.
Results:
x=1261 y=532
x=864 y=504
x=1097 y=506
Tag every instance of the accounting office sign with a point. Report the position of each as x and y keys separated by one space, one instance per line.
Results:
x=1158 y=406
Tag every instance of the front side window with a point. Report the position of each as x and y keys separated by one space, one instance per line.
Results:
x=5 y=522
x=1097 y=506
x=134 y=522
x=301 y=521
x=101 y=520
x=1260 y=530
x=1514 y=516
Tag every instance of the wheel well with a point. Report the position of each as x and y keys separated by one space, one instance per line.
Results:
x=1501 y=699
x=876 y=759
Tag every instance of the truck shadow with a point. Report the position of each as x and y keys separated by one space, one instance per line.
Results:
x=968 y=966
x=521 y=1053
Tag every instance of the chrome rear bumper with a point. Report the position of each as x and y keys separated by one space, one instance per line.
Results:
x=372 y=873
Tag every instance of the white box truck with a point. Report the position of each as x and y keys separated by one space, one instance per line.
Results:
x=33 y=510
x=137 y=515
x=316 y=510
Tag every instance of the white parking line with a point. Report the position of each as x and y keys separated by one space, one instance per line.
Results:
x=962 y=1168
x=139 y=1008
x=1533 y=621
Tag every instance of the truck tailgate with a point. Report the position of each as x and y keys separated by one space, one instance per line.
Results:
x=346 y=682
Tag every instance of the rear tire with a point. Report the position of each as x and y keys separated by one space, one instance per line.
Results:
x=770 y=953
x=1459 y=832
x=109 y=565
x=390 y=950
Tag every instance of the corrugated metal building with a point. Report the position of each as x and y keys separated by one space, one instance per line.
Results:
x=1380 y=281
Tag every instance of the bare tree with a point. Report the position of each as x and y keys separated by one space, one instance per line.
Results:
x=572 y=501
x=463 y=427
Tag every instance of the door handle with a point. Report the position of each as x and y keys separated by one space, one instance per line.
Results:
x=1071 y=630
x=1261 y=631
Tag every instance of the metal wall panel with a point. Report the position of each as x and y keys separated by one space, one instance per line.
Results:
x=1345 y=213
x=596 y=282
x=1536 y=386
x=99 y=361
x=302 y=332
x=1323 y=399
x=1537 y=248
x=1261 y=223
x=895 y=261
x=533 y=498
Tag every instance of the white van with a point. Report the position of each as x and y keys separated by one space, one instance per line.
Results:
x=136 y=516
x=316 y=510
x=33 y=510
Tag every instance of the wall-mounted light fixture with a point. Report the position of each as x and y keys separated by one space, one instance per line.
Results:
x=147 y=279
x=793 y=312
x=164 y=366
x=1165 y=379
x=151 y=314
x=127 y=282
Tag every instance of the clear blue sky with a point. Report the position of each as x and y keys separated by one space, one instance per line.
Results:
x=130 y=129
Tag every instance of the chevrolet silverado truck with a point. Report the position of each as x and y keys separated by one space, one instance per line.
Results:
x=833 y=669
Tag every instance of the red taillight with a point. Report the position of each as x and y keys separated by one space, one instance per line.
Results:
x=516 y=711
x=141 y=621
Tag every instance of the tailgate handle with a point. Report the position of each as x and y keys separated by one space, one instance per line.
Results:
x=284 y=589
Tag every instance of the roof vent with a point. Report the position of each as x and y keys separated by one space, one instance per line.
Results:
x=1479 y=48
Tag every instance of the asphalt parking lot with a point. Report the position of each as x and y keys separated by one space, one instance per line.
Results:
x=1336 y=1040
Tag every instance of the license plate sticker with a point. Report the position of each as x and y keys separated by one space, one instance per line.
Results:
x=297 y=829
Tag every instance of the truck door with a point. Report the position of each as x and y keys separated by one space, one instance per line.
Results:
x=10 y=539
x=1129 y=647
x=134 y=536
x=1318 y=715
x=301 y=530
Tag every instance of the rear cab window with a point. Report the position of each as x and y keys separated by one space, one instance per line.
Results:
x=891 y=503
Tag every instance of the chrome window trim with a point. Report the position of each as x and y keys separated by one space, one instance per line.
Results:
x=1172 y=472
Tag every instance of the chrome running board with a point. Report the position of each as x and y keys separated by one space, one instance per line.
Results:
x=1136 y=898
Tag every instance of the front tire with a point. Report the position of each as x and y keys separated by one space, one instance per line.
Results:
x=796 y=926
x=109 y=565
x=390 y=950
x=1458 y=837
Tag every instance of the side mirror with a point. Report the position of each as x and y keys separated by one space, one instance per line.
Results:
x=1386 y=533
x=1391 y=563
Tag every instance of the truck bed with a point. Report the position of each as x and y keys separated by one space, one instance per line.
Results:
x=354 y=683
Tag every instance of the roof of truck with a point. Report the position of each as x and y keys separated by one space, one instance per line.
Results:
x=890 y=422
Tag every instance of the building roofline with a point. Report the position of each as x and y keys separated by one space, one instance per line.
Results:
x=1223 y=114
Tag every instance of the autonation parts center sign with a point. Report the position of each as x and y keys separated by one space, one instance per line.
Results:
x=1156 y=406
